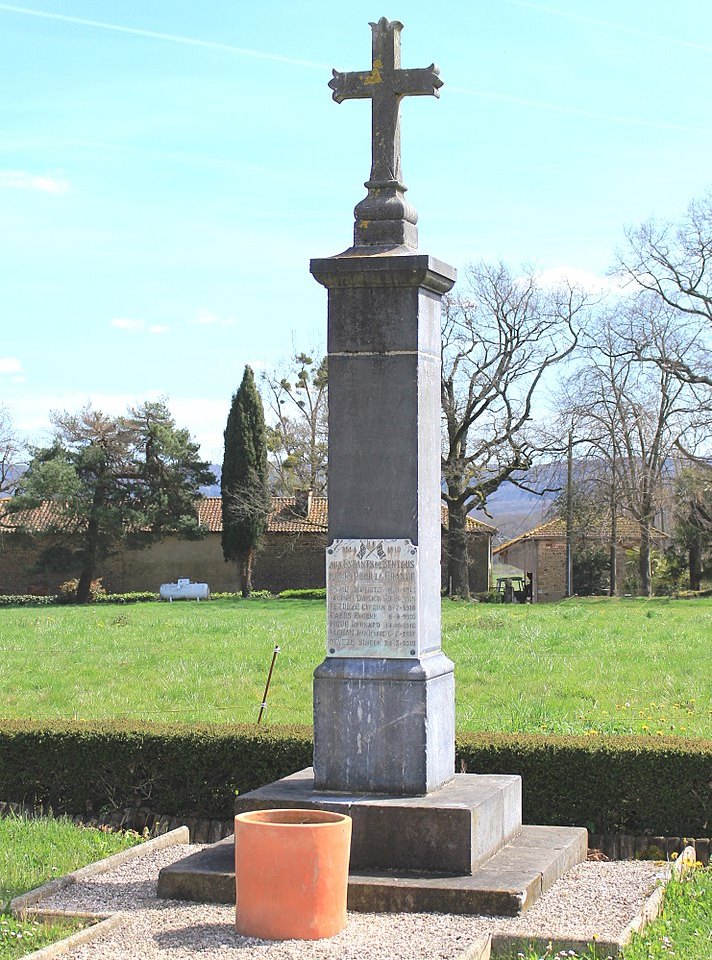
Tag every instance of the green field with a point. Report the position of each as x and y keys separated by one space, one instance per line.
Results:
x=592 y=666
x=33 y=852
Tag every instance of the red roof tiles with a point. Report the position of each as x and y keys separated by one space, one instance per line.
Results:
x=285 y=517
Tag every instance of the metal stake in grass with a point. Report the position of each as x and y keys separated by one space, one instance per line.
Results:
x=263 y=706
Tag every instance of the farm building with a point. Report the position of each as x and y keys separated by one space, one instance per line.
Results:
x=540 y=553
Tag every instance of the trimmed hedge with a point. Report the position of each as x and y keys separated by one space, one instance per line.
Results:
x=306 y=593
x=178 y=769
x=26 y=600
x=138 y=596
x=609 y=784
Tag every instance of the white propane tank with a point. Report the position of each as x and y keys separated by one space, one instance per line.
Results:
x=184 y=590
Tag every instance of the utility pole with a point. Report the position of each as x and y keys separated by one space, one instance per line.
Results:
x=570 y=515
x=613 y=564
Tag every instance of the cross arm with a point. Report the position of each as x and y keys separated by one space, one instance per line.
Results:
x=419 y=82
x=353 y=86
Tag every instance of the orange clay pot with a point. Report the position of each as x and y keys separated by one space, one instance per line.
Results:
x=291 y=873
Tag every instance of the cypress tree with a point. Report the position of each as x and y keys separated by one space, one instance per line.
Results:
x=244 y=487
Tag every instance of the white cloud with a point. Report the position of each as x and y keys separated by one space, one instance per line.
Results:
x=159 y=328
x=205 y=419
x=583 y=279
x=10 y=365
x=127 y=323
x=206 y=318
x=38 y=183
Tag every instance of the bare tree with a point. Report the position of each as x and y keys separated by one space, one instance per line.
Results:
x=674 y=264
x=297 y=439
x=500 y=337
x=10 y=454
x=634 y=413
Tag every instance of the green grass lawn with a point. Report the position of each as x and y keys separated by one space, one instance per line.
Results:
x=625 y=666
x=33 y=852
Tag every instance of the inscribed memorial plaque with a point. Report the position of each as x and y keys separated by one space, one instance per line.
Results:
x=372 y=599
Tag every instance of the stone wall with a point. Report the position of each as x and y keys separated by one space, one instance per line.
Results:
x=18 y=557
x=286 y=561
x=550 y=570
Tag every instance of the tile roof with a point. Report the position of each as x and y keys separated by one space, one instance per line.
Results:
x=628 y=531
x=284 y=518
x=42 y=518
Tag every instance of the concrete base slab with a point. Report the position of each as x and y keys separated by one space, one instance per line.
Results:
x=207 y=876
x=454 y=829
x=506 y=885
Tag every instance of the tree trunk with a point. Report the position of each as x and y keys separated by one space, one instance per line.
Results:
x=91 y=548
x=84 y=585
x=246 y=574
x=694 y=559
x=457 y=566
x=646 y=585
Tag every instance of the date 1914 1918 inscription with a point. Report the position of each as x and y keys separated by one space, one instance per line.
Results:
x=372 y=598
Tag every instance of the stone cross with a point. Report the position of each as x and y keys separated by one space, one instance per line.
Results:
x=385 y=84
x=384 y=701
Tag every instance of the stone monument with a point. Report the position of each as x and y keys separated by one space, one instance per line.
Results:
x=424 y=838
x=384 y=698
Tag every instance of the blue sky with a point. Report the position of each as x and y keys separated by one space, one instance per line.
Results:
x=167 y=169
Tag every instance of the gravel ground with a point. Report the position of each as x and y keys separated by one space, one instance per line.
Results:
x=593 y=898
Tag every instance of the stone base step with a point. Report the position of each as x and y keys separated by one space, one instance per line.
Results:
x=454 y=829
x=506 y=885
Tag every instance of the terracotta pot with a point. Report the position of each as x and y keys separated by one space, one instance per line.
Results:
x=291 y=873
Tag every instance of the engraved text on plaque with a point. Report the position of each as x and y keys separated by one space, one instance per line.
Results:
x=372 y=598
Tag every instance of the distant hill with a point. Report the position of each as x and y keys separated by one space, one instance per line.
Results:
x=213 y=489
x=514 y=511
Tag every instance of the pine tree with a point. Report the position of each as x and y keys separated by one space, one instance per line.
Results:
x=244 y=487
x=112 y=482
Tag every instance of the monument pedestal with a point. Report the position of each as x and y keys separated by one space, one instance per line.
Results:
x=460 y=849
x=384 y=726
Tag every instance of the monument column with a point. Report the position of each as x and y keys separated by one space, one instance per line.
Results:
x=384 y=706
x=384 y=696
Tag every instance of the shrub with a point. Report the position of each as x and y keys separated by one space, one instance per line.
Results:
x=138 y=596
x=489 y=596
x=313 y=593
x=255 y=595
x=26 y=600
x=68 y=591
x=182 y=770
x=610 y=784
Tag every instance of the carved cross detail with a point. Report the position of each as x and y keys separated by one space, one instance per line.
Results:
x=386 y=84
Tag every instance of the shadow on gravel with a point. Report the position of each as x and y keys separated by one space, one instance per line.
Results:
x=200 y=937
